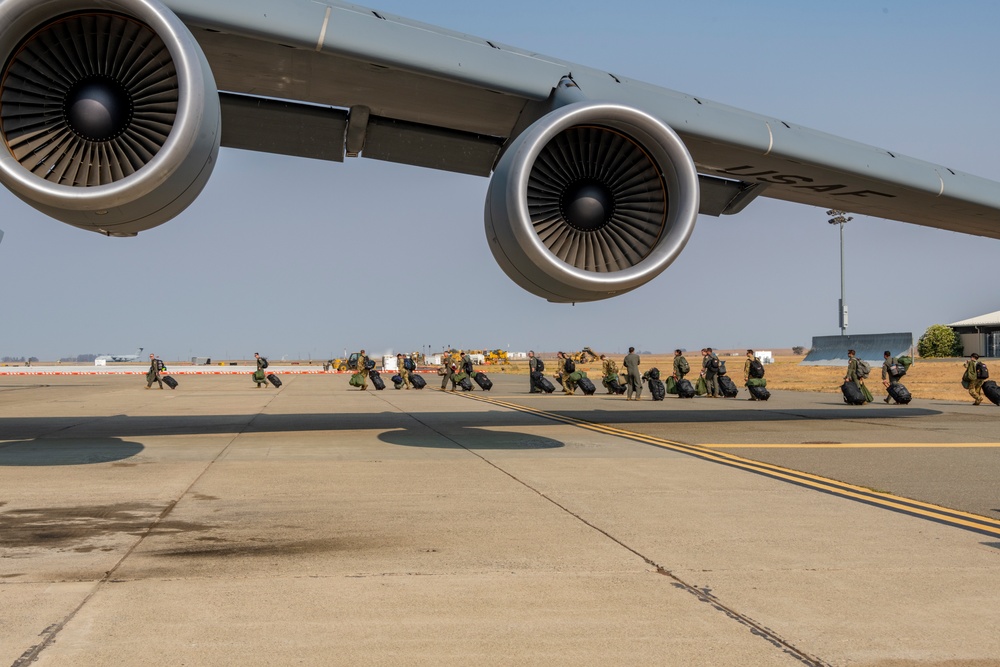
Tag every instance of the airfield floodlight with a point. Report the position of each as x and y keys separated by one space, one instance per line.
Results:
x=841 y=218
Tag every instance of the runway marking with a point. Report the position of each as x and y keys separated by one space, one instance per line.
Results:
x=860 y=445
x=915 y=508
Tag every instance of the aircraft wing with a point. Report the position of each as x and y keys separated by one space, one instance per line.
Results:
x=596 y=179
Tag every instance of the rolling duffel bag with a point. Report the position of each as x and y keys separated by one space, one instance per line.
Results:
x=484 y=382
x=899 y=393
x=758 y=392
x=169 y=381
x=274 y=379
x=852 y=393
x=586 y=385
x=727 y=386
x=465 y=383
x=417 y=381
x=541 y=382
x=657 y=389
x=376 y=380
x=990 y=390
x=685 y=389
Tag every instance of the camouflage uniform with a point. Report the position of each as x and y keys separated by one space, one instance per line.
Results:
x=362 y=368
x=975 y=384
x=609 y=371
x=404 y=374
x=154 y=373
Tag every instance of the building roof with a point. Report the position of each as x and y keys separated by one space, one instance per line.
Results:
x=987 y=320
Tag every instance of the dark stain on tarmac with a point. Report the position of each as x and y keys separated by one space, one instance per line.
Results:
x=74 y=527
x=254 y=548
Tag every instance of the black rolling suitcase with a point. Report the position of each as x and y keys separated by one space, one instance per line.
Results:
x=685 y=389
x=615 y=387
x=484 y=382
x=169 y=381
x=465 y=384
x=727 y=386
x=586 y=386
x=657 y=389
x=992 y=392
x=376 y=380
x=274 y=379
x=542 y=382
x=852 y=393
x=759 y=393
x=899 y=393
x=417 y=381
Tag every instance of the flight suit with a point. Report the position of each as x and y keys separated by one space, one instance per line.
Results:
x=532 y=369
x=711 y=374
x=259 y=377
x=446 y=368
x=886 y=375
x=678 y=360
x=633 y=376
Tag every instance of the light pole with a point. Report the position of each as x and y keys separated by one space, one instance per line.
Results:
x=841 y=218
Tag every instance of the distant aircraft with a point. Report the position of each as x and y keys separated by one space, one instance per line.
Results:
x=113 y=112
x=121 y=357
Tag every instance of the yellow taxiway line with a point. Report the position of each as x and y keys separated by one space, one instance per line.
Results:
x=858 y=445
x=956 y=518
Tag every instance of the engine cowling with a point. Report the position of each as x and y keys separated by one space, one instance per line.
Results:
x=591 y=201
x=109 y=112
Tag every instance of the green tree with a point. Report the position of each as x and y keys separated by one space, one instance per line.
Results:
x=939 y=340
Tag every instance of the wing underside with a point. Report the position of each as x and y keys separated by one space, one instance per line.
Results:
x=333 y=80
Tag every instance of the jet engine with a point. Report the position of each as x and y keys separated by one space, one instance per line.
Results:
x=591 y=201
x=109 y=112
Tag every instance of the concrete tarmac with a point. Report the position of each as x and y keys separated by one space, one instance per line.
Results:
x=221 y=524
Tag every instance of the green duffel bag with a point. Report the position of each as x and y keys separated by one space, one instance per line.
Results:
x=258 y=376
x=576 y=376
x=702 y=387
x=757 y=382
x=670 y=385
x=458 y=377
x=358 y=380
x=868 y=394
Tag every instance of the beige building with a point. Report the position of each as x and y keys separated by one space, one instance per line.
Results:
x=980 y=334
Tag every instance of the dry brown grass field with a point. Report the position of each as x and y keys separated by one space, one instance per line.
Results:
x=940 y=379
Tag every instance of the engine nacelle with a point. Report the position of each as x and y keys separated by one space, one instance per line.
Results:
x=591 y=201
x=109 y=113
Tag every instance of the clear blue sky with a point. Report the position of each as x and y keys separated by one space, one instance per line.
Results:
x=301 y=258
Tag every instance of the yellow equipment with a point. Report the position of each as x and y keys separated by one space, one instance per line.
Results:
x=496 y=357
x=586 y=355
